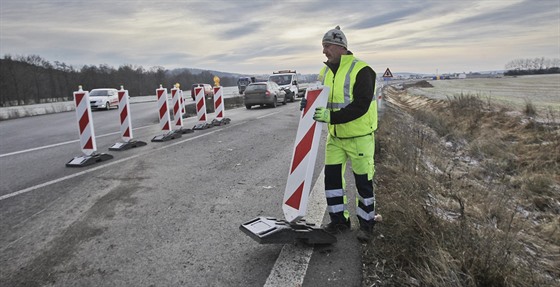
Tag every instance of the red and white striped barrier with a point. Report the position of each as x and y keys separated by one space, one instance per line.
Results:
x=304 y=155
x=87 y=132
x=178 y=109
x=126 y=123
x=164 y=118
x=200 y=104
x=219 y=102
x=219 y=110
x=163 y=110
x=124 y=115
x=177 y=100
x=85 y=122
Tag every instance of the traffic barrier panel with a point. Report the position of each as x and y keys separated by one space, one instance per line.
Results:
x=164 y=118
x=178 y=110
x=200 y=104
x=219 y=110
x=304 y=155
x=88 y=144
x=294 y=228
x=126 y=124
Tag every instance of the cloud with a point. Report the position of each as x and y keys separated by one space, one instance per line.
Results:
x=260 y=36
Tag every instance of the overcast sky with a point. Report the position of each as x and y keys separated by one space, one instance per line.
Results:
x=258 y=37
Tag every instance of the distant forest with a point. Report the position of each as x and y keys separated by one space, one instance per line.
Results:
x=534 y=66
x=26 y=80
x=31 y=79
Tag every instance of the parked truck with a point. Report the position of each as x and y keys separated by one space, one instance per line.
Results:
x=288 y=81
x=242 y=83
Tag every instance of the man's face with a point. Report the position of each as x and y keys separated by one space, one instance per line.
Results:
x=333 y=52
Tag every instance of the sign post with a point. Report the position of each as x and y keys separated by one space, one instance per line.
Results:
x=387 y=76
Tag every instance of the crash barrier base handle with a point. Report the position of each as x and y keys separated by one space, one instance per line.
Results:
x=202 y=126
x=224 y=121
x=86 y=160
x=183 y=131
x=167 y=136
x=269 y=230
x=127 y=145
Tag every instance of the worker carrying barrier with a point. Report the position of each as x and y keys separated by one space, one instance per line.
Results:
x=294 y=205
x=87 y=133
x=164 y=118
x=178 y=109
x=220 y=119
x=200 y=104
x=126 y=124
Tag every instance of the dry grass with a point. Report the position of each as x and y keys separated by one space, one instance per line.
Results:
x=469 y=192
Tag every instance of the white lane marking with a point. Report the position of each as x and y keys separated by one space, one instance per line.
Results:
x=291 y=266
x=267 y=115
x=63 y=143
x=26 y=190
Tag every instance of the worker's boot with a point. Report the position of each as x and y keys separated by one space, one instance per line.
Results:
x=365 y=233
x=337 y=227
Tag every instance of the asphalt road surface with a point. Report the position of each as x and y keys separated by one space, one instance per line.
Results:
x=166 y=214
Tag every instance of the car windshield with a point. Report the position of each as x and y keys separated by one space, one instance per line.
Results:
x=243 y=82
x=281 y=80
x=98 y=93
x=255 y=88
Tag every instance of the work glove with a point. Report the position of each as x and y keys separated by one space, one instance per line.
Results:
x=303 y=104
x=322 y=115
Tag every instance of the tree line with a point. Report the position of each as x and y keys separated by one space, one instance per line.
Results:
x=532 y=66
x=31 y=79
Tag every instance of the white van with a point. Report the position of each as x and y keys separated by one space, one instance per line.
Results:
x=287 y=80
x=104 y=98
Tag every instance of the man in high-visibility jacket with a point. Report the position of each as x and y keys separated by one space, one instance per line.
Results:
x=351 y=115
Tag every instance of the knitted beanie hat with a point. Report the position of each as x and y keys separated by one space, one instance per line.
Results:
x=336 y=37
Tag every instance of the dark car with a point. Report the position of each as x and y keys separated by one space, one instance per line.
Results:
x=263 y=93
x=208 y=91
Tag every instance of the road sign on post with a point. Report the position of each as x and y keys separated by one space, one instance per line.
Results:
x=387 y=75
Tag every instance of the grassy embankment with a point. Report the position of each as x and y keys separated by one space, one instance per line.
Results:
x=470 y=194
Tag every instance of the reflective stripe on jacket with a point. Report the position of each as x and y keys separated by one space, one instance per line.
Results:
x=342 y=94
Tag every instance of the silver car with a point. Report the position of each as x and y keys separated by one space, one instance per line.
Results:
x=104 y=98
x=263 y=93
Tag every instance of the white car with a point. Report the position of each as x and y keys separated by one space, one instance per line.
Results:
x=103 y=98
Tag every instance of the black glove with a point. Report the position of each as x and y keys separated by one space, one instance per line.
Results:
x=303 y=104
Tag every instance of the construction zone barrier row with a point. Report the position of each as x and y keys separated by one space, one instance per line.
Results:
x=87 y=131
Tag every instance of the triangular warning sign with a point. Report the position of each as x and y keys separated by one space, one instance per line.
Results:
x=388 y=74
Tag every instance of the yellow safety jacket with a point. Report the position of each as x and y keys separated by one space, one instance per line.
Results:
x=341 y=95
